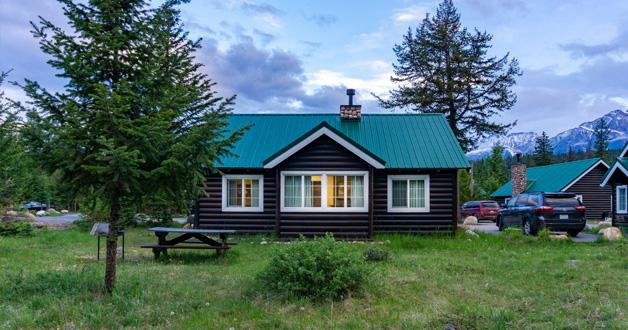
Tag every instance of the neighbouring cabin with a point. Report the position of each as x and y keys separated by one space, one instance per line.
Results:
x=581 y=177
x=350 y=174
x=616 y=179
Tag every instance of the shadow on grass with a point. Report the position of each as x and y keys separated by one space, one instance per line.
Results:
x=195 y=258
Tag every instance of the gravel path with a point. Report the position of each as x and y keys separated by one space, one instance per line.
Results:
x=489 y=227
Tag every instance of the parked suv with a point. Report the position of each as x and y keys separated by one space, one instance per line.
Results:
x=483 y=210
x=534 y=211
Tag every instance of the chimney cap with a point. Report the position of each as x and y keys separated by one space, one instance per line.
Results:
x=350 y=91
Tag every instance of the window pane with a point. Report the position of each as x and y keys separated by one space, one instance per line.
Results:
x=251 y=193
x=399 y=193
x=417 y=193
x=623 y=199
x=335 y=191
x=292 y=191
x=312 y=192
x=234 y=193
x=355 y=191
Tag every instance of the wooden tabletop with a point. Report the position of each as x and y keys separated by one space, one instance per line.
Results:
x=190 y=230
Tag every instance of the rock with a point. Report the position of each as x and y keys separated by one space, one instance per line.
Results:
x=51 y=211
x=470 y=221
x=40 y=213
x=11 y=213
x=471 y=233
x=463 y=227
x=30 y=217
x=611 y=234
x=559 y=237
x=187 y=226
x=588 y=227
x=65 y=211
x=39 y=224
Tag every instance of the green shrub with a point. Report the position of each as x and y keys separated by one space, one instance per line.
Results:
x=321 y=268
x=15 y=228
x=375 y=253
x=544 y=234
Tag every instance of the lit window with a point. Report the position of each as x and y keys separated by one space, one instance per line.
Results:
x=408 y=193
x=622 y=199
x=242 y=193
x=324 y=191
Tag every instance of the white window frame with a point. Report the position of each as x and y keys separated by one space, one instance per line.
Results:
x=617 y=189
x=226 y=208
x=426 y=209
x=324 y=207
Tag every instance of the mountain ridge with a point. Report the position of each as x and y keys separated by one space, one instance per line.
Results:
x=580 y=138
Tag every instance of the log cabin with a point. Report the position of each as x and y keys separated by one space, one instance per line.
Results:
x=350 y=173
x=581 y=177
x=616 y=179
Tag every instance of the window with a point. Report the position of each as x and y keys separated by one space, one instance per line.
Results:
x=242 y=193
x=312 y=191
x=622 y=199
x=409 y=193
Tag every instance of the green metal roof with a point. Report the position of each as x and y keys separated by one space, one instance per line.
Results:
x=549 y=178
x=620 y=162
x=399 y=140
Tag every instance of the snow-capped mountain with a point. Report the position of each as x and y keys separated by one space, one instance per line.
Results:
x=579 y=138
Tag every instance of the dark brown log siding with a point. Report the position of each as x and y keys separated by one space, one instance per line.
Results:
x=210 y=215
x=597 y=199
x=325 y=154
x=441 y=217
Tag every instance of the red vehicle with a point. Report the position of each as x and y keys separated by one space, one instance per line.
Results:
x=483 y=210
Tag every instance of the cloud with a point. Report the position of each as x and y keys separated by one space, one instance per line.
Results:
x=322 y=19
x=617 y=49
x=411 y=14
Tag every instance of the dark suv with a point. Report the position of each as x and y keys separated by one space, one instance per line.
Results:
x=534 y=211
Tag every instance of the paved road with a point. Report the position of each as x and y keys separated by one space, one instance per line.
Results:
x=66 y=218
x=490 y=228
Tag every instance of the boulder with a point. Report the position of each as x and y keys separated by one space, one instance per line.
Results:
x=51 y=211
x=11 y=213
x=611 y=234
x=65 y=211
x=30 y=217
x=40 y=213
x=463 y=227
x=470 y=221
x=559 y=237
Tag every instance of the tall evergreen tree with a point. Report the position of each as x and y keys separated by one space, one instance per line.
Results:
x=444 y=68
x=602 y=136
x=137 y=119
x=543 y=150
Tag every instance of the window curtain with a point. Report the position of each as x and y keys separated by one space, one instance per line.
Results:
x=234 y=193
x=254 y=193
x=292 y=191
x=307 y=192
x=355 y=185
x=417 y=193
x=399 y=193
x=622 y=199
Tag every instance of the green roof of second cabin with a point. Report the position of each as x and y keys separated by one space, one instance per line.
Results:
x=397 y=140
x=550 y=178
x=619 y=165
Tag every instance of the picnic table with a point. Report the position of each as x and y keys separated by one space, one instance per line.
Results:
x=186 y=238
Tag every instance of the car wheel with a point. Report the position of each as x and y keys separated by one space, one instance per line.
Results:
x=527 y=227
x=573 y=233
x=500 y=224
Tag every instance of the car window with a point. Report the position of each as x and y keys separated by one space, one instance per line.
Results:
x=533 y=200
x=465 y=205
x=490 y=205
x=522 y=200
x=512 y=201
x=561 y=201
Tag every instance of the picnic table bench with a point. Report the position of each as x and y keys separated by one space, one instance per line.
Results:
x=198 y=239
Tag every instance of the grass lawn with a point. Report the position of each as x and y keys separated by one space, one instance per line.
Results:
x=52 y=280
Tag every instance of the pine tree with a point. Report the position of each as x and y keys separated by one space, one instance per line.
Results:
x=137 y=119
x=465 y=182
x=10 y=151
x=444 y=68
x=543 y=150
x=602 y=136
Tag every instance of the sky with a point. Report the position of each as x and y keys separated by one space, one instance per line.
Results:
x=292 y=56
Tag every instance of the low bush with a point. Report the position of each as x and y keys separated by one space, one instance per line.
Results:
x=375 y=253
x=15 y=228
x=321 y=268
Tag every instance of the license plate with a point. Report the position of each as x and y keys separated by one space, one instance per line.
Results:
x=564 y=217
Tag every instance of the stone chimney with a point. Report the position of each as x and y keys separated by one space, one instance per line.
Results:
x=350 y=111
x=518 y=177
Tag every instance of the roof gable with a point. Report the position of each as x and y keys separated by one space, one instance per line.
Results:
x=323 y=129
x=619 y=166
x=397 y=140
x=553 y=178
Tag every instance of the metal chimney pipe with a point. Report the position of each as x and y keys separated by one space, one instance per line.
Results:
x=350 y=92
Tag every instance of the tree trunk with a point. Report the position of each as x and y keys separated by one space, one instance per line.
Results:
x=112 y=243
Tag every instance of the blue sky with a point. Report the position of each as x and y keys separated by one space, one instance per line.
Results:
x=300 y=56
